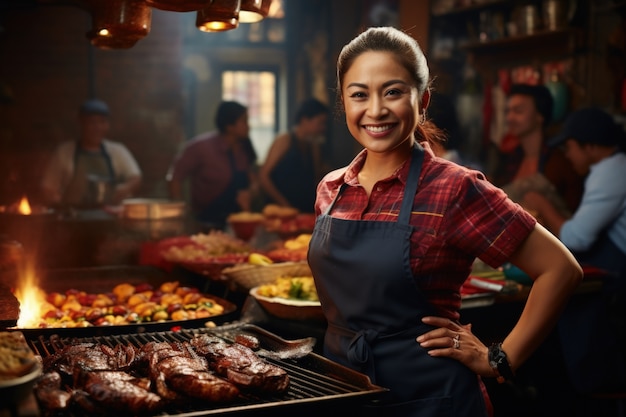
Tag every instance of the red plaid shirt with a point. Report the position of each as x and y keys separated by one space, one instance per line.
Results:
x=457 y=216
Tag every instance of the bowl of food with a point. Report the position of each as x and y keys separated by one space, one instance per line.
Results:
x=244 y=224
x=19 y=368
x=292 y=298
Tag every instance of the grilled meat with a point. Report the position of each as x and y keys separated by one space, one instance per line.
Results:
x=178 y=370
x=119 y=391
x=248 y=341
x=240 y=365
x=49 y=394
x=90 y=356
x=147 y=380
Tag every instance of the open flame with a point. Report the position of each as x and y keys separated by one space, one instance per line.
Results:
x=32 y=299
x=24 y=206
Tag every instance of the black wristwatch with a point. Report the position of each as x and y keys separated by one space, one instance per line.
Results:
x=499 y=363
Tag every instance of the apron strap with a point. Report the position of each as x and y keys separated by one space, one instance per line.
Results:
x=411 y=184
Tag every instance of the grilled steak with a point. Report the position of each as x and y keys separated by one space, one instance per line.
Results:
x=119 y=391
x=49 y=394
x=240 y=365
x=90 y=356
x=189 y=376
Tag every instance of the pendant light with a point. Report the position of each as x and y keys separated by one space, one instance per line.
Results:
x=179 y=5
x=219 y=16
x=119 y=24
x=253 y=11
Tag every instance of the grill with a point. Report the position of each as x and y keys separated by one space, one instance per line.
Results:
x=315 y=382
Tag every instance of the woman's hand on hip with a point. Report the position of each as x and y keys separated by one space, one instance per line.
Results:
x=456 y=341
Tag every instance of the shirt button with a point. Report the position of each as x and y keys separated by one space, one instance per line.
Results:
x=379 y=188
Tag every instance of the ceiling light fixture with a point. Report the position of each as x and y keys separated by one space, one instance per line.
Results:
x=119 y=24
x=219 y=16
x=253 y=11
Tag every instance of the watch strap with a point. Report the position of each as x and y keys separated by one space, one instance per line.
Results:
x=500 y=364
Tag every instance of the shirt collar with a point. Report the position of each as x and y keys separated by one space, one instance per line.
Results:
x=351 y=175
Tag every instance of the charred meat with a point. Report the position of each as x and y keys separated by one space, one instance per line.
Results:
x=240 y=365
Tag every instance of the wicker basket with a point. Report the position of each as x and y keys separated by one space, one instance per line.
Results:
x=248 y=276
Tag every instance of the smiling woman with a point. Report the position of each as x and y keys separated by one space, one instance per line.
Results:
x=396 y=234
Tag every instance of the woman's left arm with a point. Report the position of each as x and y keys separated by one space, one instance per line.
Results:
x=556 y=274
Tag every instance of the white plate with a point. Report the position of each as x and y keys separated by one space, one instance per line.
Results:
x=287 y=308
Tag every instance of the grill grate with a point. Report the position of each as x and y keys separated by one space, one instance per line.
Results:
x=313 y=379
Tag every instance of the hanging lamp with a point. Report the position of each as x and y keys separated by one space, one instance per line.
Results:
x=178 y=5
x=119 y=24
x=219 y=16
x=253 y=11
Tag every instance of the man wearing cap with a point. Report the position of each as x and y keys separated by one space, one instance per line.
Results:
x=592 y=328
x=92 y=171
x=596 y=232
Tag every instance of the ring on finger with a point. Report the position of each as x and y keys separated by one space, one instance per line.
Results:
x=456 y=341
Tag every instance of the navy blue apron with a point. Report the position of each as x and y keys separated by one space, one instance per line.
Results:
x=374 y=309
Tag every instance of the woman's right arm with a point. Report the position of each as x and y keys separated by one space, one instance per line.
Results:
x=556 y=274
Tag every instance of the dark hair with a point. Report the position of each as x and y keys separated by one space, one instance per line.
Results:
x=309 y=109
x=228 y=113
x=406 y=50
x=541 y=97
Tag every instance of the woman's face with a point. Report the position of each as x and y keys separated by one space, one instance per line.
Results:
x=381 y=102
x=241 y=128
x=315 y=126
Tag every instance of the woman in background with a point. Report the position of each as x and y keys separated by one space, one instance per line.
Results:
x=292 y=167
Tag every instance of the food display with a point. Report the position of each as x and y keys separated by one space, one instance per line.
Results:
x=287 y=221
x=204 y=247
x=292 y=250
x=205 y=253
x=154 y=377
x=127 y=304
x=244 y=224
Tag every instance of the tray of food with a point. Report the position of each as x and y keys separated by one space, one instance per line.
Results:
x=205 y=253
x=105 y=300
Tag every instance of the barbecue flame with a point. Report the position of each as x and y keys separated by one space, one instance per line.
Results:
x=24 y=207
x=32 y=299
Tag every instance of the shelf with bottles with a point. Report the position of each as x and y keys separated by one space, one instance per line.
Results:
x=495 y=26
x=452 y=8
x=559 y=41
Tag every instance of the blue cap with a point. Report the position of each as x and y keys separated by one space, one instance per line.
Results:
x=590 y=125
x=94 y=106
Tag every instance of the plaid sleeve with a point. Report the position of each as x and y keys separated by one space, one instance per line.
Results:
x=488 y=224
